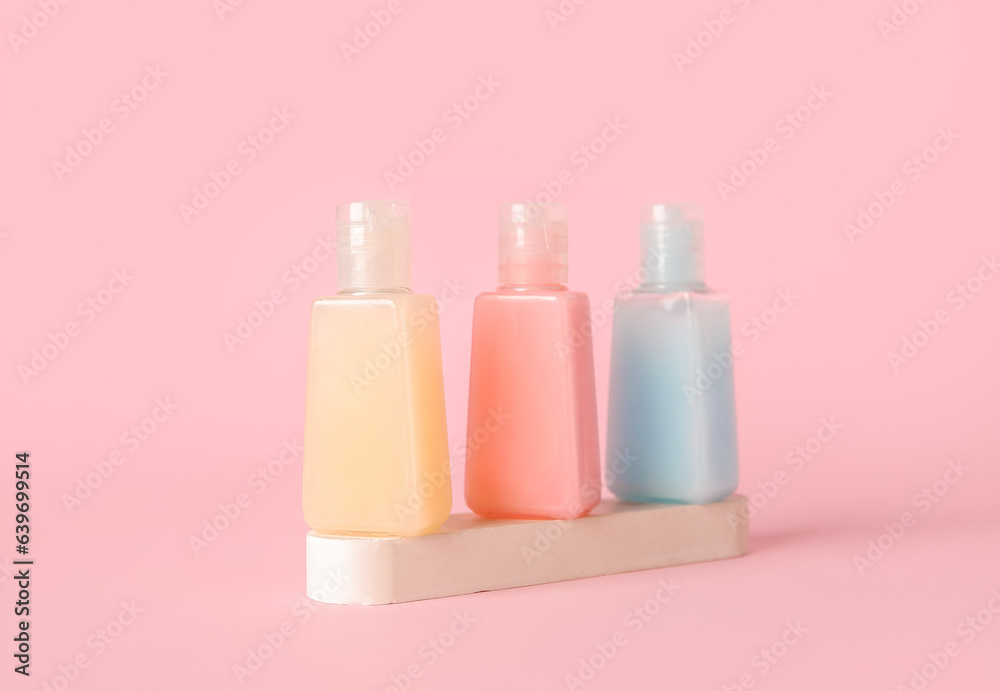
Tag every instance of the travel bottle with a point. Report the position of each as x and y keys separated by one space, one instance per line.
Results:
x=376 y=446
x=671 y=410
x=532 y=446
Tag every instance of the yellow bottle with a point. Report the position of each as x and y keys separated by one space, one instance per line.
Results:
x=376 y=444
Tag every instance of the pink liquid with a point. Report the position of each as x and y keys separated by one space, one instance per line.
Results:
x=532 y=436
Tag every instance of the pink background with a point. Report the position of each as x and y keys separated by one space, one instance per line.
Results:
x=162 y=335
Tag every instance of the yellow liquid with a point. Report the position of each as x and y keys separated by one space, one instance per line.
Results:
x=376 y=442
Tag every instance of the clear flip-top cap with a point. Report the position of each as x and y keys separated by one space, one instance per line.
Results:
x=671 y=237
x=373 y=245
x=533 y=244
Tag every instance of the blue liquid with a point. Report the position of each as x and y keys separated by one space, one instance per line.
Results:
x=672 y=412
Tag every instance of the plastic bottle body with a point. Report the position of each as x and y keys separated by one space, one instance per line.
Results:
x=376 y=442
x=671 y=414
x=532 y=445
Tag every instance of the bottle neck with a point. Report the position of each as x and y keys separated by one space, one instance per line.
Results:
x=530 y=287
x=398 y=290
x=673 y=287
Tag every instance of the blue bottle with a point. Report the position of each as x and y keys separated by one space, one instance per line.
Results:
x=672 y=413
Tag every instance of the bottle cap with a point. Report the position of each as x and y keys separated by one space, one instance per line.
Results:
x=673 y=245
x=373 y=245
x=533 y=244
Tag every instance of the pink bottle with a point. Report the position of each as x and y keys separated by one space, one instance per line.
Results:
x=532 y=448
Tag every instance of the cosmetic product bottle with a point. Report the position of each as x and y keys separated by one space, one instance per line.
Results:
x=376 y=445
x=532 y=446
x=671 y=411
